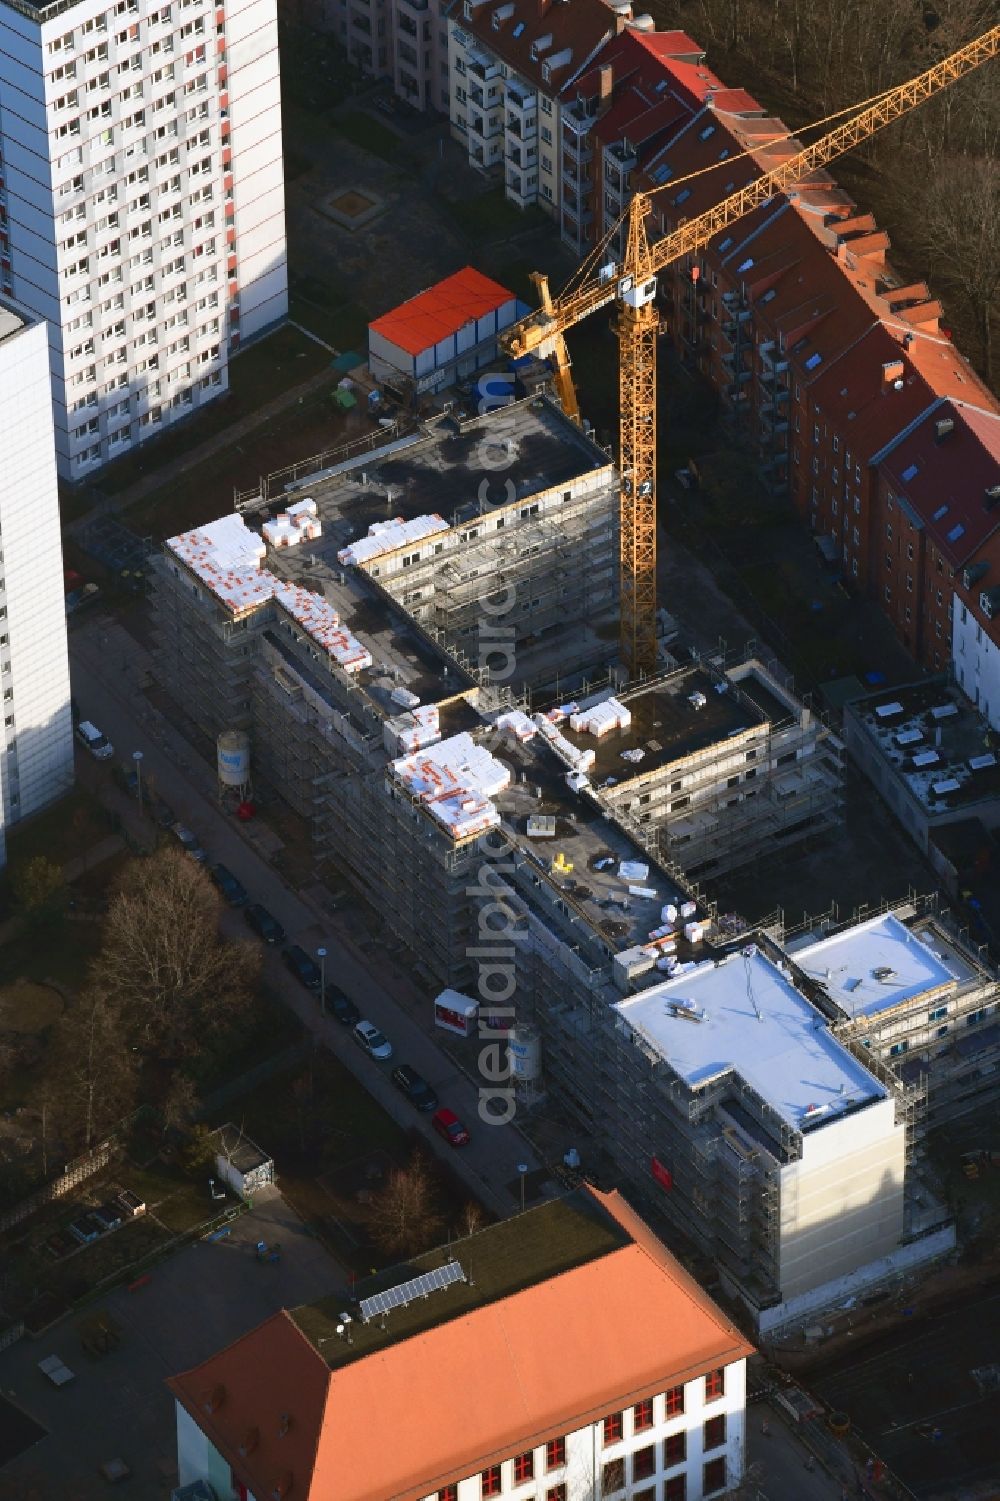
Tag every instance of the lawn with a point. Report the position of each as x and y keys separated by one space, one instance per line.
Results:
x=485 y=217
x=60 y=833
x=364 y=130
x=329 y=311
x=258 y=374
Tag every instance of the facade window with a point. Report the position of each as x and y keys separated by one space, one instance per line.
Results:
x=490 y=1481
x=555 y=1453
x=642 y=1415
x=675 y=1401
x=612 y=1428
x=676 y=1448
x=556 y=1493
x=613 y=1477
x=714 y=1478
x=524 y=1467
x=675 y=1488
x=450 y=1493
x=644 y=1463
x=715 y=1384
x=715 y=1433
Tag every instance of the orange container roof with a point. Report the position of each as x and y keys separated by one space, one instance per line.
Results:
x=442 y=310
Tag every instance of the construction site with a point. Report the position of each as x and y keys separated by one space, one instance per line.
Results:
x=564 y=835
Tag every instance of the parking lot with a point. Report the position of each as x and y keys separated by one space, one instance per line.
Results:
x=117 y=1407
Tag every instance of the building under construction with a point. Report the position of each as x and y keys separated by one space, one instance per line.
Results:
x=531 y=850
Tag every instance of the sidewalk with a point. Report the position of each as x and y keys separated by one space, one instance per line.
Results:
x=108 y=668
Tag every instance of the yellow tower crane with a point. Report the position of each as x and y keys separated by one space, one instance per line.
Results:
x=631 y=286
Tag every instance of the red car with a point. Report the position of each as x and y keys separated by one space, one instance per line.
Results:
x=447 y=1124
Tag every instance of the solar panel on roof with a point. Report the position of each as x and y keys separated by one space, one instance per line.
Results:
x=406 y=1292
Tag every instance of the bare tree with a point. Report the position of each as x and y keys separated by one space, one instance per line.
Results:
x=163 y=961
x=96 y=1077
x=959 y=229
x=405 y=1217
x=472 y=1218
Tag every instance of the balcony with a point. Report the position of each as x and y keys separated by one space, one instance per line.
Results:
x=488 y=129
x=623 y=154
x=522 y=157
x=577 y=176
x=575 y=154
x=519 y=98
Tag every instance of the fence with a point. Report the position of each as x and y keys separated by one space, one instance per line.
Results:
x=248 y=500
x=73 y=1173
x=81 y=1168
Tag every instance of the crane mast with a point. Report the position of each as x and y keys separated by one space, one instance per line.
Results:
x=632 y=287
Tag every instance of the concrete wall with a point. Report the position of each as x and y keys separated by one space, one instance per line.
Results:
x=36 y=732
x=842 y=1203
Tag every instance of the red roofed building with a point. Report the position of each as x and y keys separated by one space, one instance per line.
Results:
x=560 y=1354
x=939 y=523
x=444 y=334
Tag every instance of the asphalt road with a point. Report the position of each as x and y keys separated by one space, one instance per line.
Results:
x=106 y=666
x=914 y=1399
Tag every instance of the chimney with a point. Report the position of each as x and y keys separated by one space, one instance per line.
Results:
x=605 y=83
x=892 y=376
x=942 y=428
x=544 y=6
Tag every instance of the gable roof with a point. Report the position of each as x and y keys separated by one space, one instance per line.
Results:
x=943 y=465
x=441 y=310
x=609 y=1318
x=578 y=28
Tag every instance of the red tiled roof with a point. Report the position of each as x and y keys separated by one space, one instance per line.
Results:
x=581 y=26
x=736 y=102
x=442 y=310
x=864 y=408
x=466 y=1392
x=945 y=476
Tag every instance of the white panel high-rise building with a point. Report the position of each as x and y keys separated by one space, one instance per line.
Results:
x=36 y=747
x=141 y=203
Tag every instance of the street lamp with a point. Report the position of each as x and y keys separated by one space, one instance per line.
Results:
x=321 y=956
x=522 y=1168
x=137 y=758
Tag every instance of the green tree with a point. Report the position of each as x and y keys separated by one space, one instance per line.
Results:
x=198 y=1152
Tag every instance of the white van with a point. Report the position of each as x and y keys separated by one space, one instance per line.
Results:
x=91 y=739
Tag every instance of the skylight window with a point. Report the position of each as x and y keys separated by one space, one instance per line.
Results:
x=723 y=154
x=956 y=532
x=663 y=174
x=709 y=130
x=663 y=83
x=769 y=295
x=910 y=472
x=683 y=195
x=745 y=265
x=799 y=344
x=518 y=29
x=813 y=361
x=725 y=244
x=941 y=510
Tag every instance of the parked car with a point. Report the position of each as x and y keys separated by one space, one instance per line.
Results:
x=447 y=1124
x=129 y=780
x=189 y=843
x=415 y=1087
x=232 y=890
x=341 y=1007
x=305 y=969
x=162 y=812
x=263 y=924
x=92 y=740
x=370 y=1038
